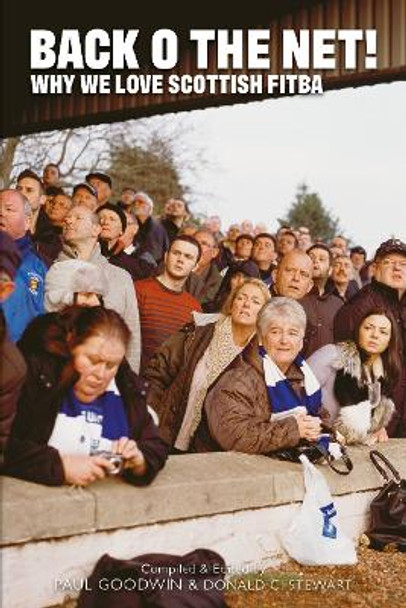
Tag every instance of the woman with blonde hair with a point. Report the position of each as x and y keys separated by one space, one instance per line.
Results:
x=190 y=362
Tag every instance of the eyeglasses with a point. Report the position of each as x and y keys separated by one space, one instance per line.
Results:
x=393 y=264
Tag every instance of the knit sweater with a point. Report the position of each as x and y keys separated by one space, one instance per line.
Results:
x=162 y=313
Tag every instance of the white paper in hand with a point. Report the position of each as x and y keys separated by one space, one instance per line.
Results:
x=314 y=537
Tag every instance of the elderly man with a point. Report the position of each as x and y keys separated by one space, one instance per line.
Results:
x=80 y=235
x=293 y=276
x=387 y=291
x=27 y=301
x=226 y=253
x=48 y=242
x=151 y=236
x=85 y=194
x=213 y=225
x=176 y=214
x=113 y=223
x=206 y=279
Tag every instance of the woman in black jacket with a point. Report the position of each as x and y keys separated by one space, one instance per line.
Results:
x=81 y=403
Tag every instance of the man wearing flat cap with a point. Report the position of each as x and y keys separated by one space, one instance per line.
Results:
x=102 y=184
x=85 y=194
x=387 y=290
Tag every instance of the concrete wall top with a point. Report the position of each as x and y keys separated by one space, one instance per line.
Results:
x=189 y=486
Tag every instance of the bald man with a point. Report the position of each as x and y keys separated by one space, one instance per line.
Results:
x=293 y=276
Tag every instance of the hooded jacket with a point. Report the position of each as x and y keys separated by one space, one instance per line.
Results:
x=120 y=297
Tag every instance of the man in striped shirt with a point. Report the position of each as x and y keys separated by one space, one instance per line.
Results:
x=164 y=306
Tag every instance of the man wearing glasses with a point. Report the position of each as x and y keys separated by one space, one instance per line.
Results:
x=387 y=290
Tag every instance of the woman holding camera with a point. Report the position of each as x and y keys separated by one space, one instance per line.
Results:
x=81 y=409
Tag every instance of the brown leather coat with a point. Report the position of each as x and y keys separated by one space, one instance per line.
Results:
x=238 y=412
x=169 y=374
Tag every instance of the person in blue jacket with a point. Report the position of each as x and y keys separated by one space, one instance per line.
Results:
x=27 y=300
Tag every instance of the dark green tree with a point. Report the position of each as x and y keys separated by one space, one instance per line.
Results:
x=308 y=210
x=151 y=169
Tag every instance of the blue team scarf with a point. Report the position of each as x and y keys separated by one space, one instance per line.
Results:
x=282 y=397
x=108 y=408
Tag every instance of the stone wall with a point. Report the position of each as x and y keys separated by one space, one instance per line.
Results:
x=233 y=503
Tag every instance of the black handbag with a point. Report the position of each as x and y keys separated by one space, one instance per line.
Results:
x=388 y=508
x=317 y=453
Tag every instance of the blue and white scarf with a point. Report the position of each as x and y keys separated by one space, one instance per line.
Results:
x=85 y=428
x=284 y=401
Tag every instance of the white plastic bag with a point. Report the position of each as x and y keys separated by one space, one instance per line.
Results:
x=313 y=537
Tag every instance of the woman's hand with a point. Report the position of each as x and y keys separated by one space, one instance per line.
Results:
x=309 y=426
x=81 y=470
x=379 y=436
x=133 y=457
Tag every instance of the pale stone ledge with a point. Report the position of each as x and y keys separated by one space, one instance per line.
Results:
x=236 y=504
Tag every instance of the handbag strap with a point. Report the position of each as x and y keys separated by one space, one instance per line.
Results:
x=331 y=461
x=376 y=456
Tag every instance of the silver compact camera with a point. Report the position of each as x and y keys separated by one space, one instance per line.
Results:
x=116 y=459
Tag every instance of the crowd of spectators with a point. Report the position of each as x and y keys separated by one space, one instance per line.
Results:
x=136 y=334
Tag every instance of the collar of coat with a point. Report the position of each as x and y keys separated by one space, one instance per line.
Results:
x=390 y=292
x=349 y=360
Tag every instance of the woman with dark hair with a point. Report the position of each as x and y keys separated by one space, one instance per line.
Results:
x=82 y=410
x=234 y=277
x=357 y=377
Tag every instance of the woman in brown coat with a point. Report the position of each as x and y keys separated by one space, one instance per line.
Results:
x=269 y=398
x=190 y=362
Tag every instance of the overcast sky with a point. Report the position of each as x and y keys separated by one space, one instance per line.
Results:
x=349 y=146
